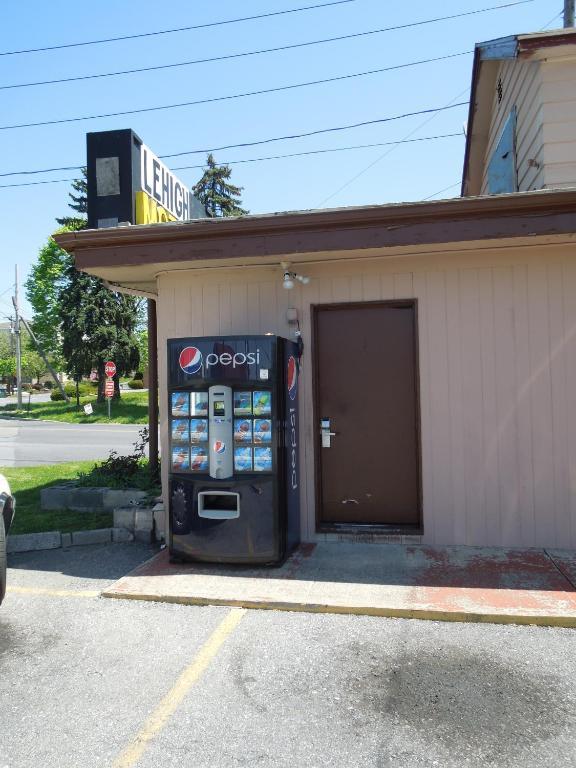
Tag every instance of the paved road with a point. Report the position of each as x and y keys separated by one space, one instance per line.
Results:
x=29 y=443
x=87 y=681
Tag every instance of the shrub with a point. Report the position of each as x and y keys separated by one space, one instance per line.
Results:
x=84 y=388
x=136 y=384
x=138 y=376
x=56 y=395
x=122 y=471
x=48 y=384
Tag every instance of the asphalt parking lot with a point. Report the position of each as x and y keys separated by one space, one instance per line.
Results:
x=86 y=681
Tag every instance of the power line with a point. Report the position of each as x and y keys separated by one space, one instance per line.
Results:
x=176 y=29
x=433 y=114
x=233 y=96
x=445 y=189
x=260 y=51
x=321 y=151
x=250 y=160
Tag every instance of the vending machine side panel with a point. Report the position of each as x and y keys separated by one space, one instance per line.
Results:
x=291 y=366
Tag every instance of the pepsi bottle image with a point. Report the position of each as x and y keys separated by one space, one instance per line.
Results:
x=234 y=496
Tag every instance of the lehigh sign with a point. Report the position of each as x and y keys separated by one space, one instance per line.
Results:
x=128 y=183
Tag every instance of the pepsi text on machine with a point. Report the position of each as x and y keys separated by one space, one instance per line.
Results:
x=191 y=359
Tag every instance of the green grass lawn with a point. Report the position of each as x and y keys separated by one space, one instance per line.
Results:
x=132 y=408
x=26 y=484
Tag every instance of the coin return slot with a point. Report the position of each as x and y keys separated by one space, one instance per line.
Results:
x=219 y=505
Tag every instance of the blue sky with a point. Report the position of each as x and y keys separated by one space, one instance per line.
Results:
x=411 y=171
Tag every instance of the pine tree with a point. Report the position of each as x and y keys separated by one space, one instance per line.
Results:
x=79 y=203
x=216 y=193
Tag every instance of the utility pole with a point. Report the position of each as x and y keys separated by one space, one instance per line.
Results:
x=568 y=13
x=18 y=344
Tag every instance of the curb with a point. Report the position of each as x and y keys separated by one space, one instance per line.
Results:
x=392 y=613
x=35 y=542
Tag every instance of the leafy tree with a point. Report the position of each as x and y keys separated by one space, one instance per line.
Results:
x=42 y=290
x=96 y=325
x=79 y=203
x=215 y=191
x=142 y=341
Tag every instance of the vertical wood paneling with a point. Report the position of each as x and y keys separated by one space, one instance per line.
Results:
x=441 y=506
x=239 y=308
x=403 y=286
x=560 y=405
x=457 y=405
x=506 y=388
x=569 y=286
x=489 y=406
x=210 y=309
x=470 y=342
x=371 y=286
x=523 y=406
x=541 y=403
x=225 y=309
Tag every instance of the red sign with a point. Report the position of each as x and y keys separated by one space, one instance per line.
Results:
x=109 y=388
x=110 y=368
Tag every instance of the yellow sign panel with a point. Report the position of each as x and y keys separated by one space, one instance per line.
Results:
x=149 y=212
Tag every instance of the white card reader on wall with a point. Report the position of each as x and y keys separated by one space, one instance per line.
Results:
x=220 y=432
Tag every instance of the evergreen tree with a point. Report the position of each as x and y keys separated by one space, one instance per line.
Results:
x=216 y=193
x=79 y=203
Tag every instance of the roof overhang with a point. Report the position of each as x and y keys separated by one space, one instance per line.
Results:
x=132 y=257
x=539 y=46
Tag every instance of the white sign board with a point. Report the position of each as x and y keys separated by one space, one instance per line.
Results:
x=160 y=183
x=88 y=410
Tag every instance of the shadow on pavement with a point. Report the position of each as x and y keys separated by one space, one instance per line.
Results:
x=102 y=561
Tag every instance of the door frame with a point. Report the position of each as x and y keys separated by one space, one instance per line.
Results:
x=358 y=528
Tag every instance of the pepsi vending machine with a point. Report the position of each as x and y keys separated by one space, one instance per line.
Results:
x=233 y=404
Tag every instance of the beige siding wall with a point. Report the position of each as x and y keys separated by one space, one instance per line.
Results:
x=559 y=129
x=521 y=88
x=497 y=351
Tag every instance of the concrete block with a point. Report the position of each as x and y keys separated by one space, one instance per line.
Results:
x=143 y=519
x=56 y=497
x=159 y=522
x=143 y=536
x=66 y=539
x=97 y=536
x=122 y=498
x=121 y=535
x=124 y=517
x=29 y=542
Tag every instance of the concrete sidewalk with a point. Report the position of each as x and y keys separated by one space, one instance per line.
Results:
x=531 y=586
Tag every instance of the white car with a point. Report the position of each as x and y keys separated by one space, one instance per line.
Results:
x=7 y=505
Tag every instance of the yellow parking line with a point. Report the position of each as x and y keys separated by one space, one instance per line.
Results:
x=174 y=697
x=54 y=592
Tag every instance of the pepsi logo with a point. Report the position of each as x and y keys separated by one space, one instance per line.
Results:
x=219 y=446
x=292 y=377
x=190 y=360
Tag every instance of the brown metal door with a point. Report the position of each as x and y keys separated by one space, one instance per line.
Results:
x=366 y=385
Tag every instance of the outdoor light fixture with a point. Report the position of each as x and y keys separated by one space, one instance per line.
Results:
x=289 y=278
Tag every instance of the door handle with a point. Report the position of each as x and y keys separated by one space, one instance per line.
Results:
x=326 y=433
